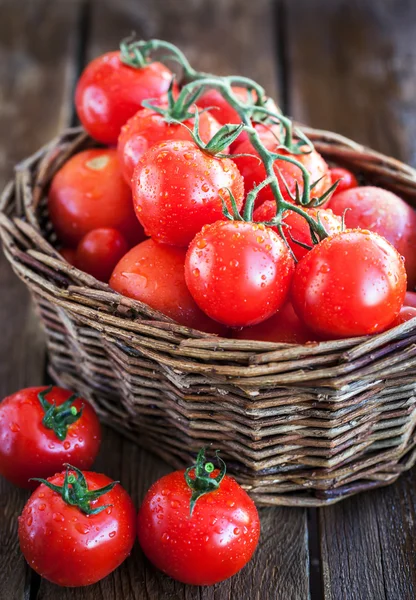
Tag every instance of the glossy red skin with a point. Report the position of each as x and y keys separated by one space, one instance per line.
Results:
x=211 y=545
x=147 y=128
x=69 y=254
x=351 y=284
x=346 y=179
x=176 y=190
x=238 y=273
x=99 y=251
x=109 y=92
x=385 y=213
x=89 y=192
x=406 y=314
x=410 y=299
x=28 y=449
x=296 y=225
x=69 y=548
x=154 y=274
x=285 y=326
x=253 y=171
x=222 y=111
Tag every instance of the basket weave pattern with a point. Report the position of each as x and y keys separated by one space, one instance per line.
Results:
x=298 y=425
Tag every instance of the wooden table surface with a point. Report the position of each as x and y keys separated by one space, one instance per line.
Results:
x=344 y=65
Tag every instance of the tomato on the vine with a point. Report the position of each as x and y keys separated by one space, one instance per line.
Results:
x=77 y=527
x=41 y=428
x=239 y=273
x=99 y=251
x=384 y=213
x=109 y=92
x=352 y=283
x=154 y=273
x=295 y=226
x=288 y=174
x=147 y=128
x=221 y=109
x=89 y=192
x=177 y=188
x=346 y=179
x=285 y=326
x=198 y=526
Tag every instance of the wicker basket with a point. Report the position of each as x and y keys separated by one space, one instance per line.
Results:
x=299 y=425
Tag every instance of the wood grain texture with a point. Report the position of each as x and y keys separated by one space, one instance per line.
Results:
x=353 y=70
x=35 y=42
x=280 y=567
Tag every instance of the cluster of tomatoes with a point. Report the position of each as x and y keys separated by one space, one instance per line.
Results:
x=158 y=213
x=198 y=526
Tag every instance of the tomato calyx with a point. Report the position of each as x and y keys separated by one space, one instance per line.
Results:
x=75 y=491
x=202 y=483
x=59 y=418
x=131 y=55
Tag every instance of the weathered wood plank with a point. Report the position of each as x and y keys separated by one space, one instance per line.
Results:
x=217 y=36
x=353 y=70
x=36 y=40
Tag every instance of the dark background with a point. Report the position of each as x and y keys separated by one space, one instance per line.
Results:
x=343 y=65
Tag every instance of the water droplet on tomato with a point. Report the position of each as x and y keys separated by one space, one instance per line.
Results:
x=29 y=521
x=201 y=243
x=42 y=507
x=205 y=187
x=234 y=263
x=112 y=534
x=82 y=528
x=14 y=427
x=236 y=531
x=230 y=503
x=175 y=504
x=165 y=537
x=67 y=445
x=58 y=517
x=196 y=272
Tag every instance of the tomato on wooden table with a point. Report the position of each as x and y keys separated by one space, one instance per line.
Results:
x=346 y=179
x=384 y=213
x=283 y=327
x=352 y=283
x=89 y=192
x=198 y=526
x=239 y=273
x=77 y=527
x=287 y=173
x=147 y=128
x=177 y=188
x=99 y=251
x=41 y=428
x=296 y=228
x=109 y=92
x=154 y=274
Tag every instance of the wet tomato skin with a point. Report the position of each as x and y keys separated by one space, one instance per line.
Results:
x=207 y=547
x=89 y=192
x=297 y=226
x=109 y=92
x=346 y=179
x=99 y=251
x=29 y=449
x=148 y=128
x=381 y=211
x=154 y=273
x=238 y=273
x=352 y=283
x=177 y=189
x=69 y=548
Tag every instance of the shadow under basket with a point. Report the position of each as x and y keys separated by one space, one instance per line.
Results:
x=298 y=425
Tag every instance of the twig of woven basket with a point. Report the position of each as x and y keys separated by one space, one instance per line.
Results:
x=299 y=425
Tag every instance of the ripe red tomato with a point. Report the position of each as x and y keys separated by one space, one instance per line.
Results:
x=253 y=171
x=177 y=189
x=109 y=92
x=79 y=543
x=99 y=251
x=147 y=128
x=346 y=179
x=89 y=192
x=221 y=110
x=154 y=274
x=41 y=429
x=410 y=299
x=406 y=314
x=384 y=213
x=239 y=273
x=69 y=254
x=209 y=545
x=296 y=226
x=285 y=326
x=352 y=283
